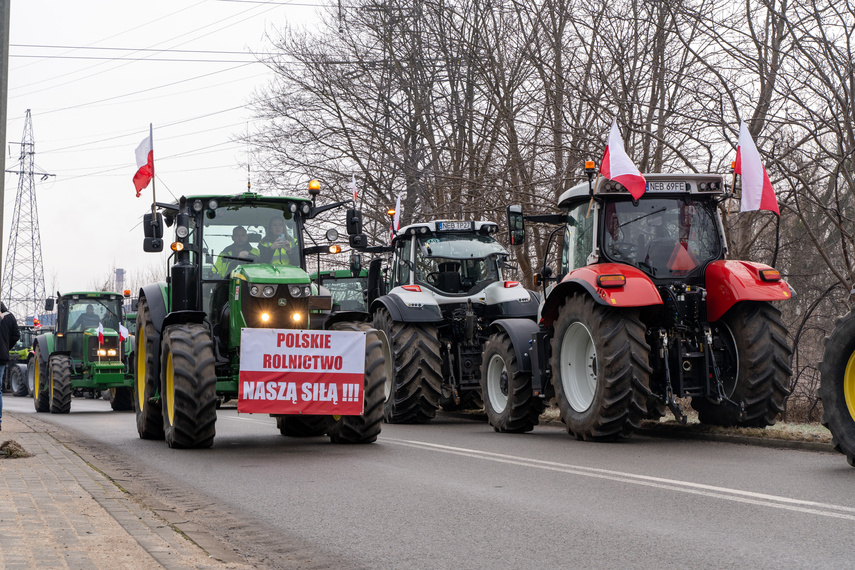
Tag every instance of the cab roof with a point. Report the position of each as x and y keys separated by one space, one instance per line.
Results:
x=709 y=184
x=447 y=226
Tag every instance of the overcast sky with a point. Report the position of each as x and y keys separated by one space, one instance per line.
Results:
x=94 y=74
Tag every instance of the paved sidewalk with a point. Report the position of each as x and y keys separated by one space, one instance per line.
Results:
x=57 y=511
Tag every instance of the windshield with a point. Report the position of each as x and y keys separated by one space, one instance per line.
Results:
x=85 y=313
x=246 y=233
x=458 y=263
x=348 y=292
x=664 y=237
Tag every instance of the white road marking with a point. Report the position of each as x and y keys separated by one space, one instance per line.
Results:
x=749 y=497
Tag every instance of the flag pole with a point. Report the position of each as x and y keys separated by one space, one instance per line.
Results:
x=153 y=198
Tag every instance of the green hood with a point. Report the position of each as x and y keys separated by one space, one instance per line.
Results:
x=268 y=273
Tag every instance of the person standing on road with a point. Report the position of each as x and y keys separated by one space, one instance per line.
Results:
x=9 y=335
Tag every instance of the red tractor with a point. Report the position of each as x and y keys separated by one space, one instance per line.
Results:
x=645 y=309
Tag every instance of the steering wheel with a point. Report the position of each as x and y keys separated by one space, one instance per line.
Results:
x=432 y=277
x=624 y=249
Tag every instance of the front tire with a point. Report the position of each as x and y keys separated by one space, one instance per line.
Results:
x=762 y=379
x=121 y=399
x=147 y=406
x=599 y=357
x=837 y=386
x=18 y=380
x=60 y=384
x=508 y=400
x=366 y=427
x=413 y=394
x=189 y=386
x=37 y=370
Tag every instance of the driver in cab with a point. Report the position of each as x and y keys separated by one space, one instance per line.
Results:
x=87 y=320
x=235 y=254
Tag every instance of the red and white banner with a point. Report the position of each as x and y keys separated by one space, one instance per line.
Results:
x=145 y=165
x=286 y=371
x=757 y=191
x=617 y=165
x=100 y=333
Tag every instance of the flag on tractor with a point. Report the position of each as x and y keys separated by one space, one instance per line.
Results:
x=353 y=187
x=757 y=191
x=396 y=219
x=145 y=165
x=123 y=332
x=100 y=333
x=617 y=165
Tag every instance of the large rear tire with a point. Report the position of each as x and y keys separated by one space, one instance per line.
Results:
x=60 y=384
x=147 y=406
x=508 y=400
x=302 y=426
x=762 y=379
x=37 y=370
x=189 y=386
x=413 y=394
x=121 y=399
x=600 y=369
x=366 y=427
x=837 y=386
x=18 y=380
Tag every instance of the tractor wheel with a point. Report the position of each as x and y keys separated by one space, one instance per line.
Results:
x=508 y=400
x=755 y=368
x=18 y=380
x=189 y=386
x=302 y=426
x=599 y=369
x=37 y=371
x=837 y=386
x=366 y=427
x=146 y=377
x=413 y=392
x=121 y=399
x=60 y=384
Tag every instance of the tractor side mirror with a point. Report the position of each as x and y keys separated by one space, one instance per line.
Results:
x=153 y=228
x=135 y=303
x=354 y=222
x=358 y=241
x=49 y=305
x=516 y=225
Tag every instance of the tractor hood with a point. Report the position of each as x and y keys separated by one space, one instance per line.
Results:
x=269 y=273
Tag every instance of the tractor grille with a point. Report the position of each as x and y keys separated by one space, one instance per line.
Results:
x=111 y=343
x=280 y=315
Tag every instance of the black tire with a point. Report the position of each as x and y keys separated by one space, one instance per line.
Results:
x=605 y=399
x=5 y=382
x=837 y=386
x=302 y=426
x=413 y=394
x=18 y=380
x=146 y=396
x=121 y=399
x=762 y=367
x=508 y=399
x=188 y=386
x=38 y=371
x=60 y=384
x=366 y=427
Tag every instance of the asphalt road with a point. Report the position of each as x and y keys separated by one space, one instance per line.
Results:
x=455 y=494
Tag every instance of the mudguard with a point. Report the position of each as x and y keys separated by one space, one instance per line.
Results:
x=639 y=290
x=728 y=282
x=155 y=296
x=409 y=306
x=47 y=345
x=520 y=332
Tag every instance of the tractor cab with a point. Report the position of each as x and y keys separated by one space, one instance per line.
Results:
x=78 y=318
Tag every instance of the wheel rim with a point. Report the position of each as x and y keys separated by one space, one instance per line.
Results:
x=579 y=367
x=36 y=386
x=497 y=383
x=170 y=389
x=849 y=386
x=141 y=371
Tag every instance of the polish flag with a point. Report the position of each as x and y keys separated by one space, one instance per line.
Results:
x=145 y=165
x=617 y=166
x=353 y=187
x=396 y=219
x=100 y=333
x=123 y=332
x=757 y=191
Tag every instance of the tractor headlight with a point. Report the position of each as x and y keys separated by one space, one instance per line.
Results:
x=296 y=317
x=253 y=290
x=306 y=209
x=299 y=290
x=268 y=291
x=197 y=206
x=265 y=318
x=102 y=352
x=182 y=231
x=111 y=352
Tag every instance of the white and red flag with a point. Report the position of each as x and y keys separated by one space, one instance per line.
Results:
x=396 y=219
x=100 y=333
x=617 y=165
x=757 y=191
x=353 y=187
x=145 y=165
x=123 y=332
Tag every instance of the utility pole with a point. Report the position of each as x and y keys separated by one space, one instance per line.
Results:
x=23 y=282
x=5 y=6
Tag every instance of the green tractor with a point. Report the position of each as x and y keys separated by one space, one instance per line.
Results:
x=347 y=286
x=837 y=386
x=238 y=271
x=85 y=352
x=15 y=375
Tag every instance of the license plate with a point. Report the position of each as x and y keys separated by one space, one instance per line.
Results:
x=455 y=225
x=676 y=186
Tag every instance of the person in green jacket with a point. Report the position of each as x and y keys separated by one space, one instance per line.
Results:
x=236 y=253
x=278 y=247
